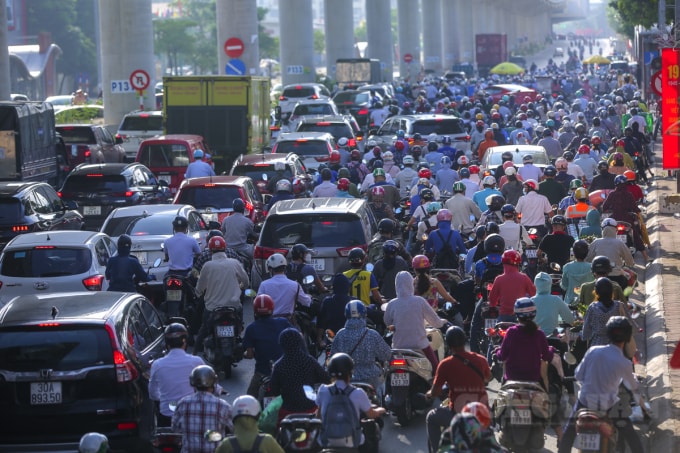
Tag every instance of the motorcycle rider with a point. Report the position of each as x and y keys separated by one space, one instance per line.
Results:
x=427 y=287
x=206 y=254
x=220 y=283
x=510 y=286
x=246 y=410
x=603 y=180
x=387 y=268
x=466 y=374
x=238 y=229
x=93 y=443
x=285 y=292
x=180 y=249
x=261 y=340
x=446 y=177
x=284 y=191
x=123 y=270
x=332 y=311
x=551 y=189
x=614 y=249
x=405 y=176
x=575 y=272
x=598 y=312
x=464 y=211
x=556 y=246
x=443 y=235
x=533 y=207
x=514 y=234
x=198 y=167
x=386 y=230
x=298 y=267
x=169 y=375
x=603 y=369
x=623 y=208
x=493 y=213
x=549 y=308
x=203 y=411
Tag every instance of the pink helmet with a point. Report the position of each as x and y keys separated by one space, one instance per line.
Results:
x=444 y=215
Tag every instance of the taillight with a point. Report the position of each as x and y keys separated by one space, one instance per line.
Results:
x=620 y=227
x=282 y=98
x=533 y=237
x=411 y=140
x=125 y=370
x=249 y=207
x=397 y=362
x=19 y=228
x=127 y=426
x=314 y=96
x=262 y=253
x=274 y=128
x=88 y=153
x=129 y=193
x=352 y=142
x=174 y=282
x=94 y=283
x=344 y=252
x=362 y=112
x=466 y=138
x=59 y=194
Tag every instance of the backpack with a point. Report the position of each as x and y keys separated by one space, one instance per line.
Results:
x=294 y=272
x=236 y=448
x=446 y=258
x=354 y=175
x=375 y=251
x=491 y=271
x=339 y=418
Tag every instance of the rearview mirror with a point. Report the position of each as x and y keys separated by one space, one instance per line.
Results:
x=157 y=263
x=265 y=176
x=250 y=293
x=309 y=279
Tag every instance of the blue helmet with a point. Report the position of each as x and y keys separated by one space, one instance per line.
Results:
x=401 y=133
x=390 y=247
x=198 y=154
x=464 y=173
x=355 y=309
x=525 y=308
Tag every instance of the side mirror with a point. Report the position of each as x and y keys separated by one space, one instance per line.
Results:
x=118 y=140
x=370 y=267
x=163 y=183
x=308 y=280
x=250 y=293
x=265 y=177
x=214 y=225
x=157 y=263
x=70 y=205
x=372 y=131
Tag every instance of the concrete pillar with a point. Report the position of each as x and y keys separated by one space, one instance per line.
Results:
x=450 y=35
x=339 y=23
x=432 y=35
x=296 y=41
x=238 y=19
x=408 y=17
x=5 y=82
x=466 y=42
x=127 y=46
x=379 y=34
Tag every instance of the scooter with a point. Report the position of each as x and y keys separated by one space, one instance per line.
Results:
x=624 y=233
x=595 y=432
x=408 y=378
x=522 y=412
x=305 y=317
x=180 y=298
x=496 y=335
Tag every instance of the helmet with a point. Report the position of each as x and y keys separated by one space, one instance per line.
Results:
x=420 y=262
x=455 y=337
x=464 y=173
x=584 y=149
x=298 y=251
x=561 y=164
x=416 y=151
x=575 y=184
x=355 y=154
x=93 y=443
x=377 y=151
x=630 y=175
x=203 y=377
x=458 y=187
x=525 y=308
x=326 y=174
x=217 y=244
x=298 y=186
x=245 y=405
x=263 y=305
x=343 y=184
x=620 y=144
x=595 y=140
x=462 y=161
x=617 y=156
x=378 y=193
x=601 y=265
x=619 y=329
x=531 y=184
x=444 y=215
x=608 y=222
x=426 y=194
x=408 y=160
x=386 y=226
x=371 y=144
x=494 y=243
x=388 y=156
x=510 y=170
x=620 y=179
x=390 y=247
x=340 y=365
x=474 y=169
x=432 y=146
x=445 y=160
x=175 y=335
x=568 y=155
x=283 y=185
x=213 y=233
x=507 y=209
x=550 y=170
x=399 y=145
x=495 y=202
x=489 y=181
x=335 y=157
x=355 y=309
x=425 y=173
x=479 y=123
x=343 y=141
x=581 y=193
x=238 y=205
x=356 y=255
x=558 y=220
x=506 y=156
x=446 y=140
x=580 y=248
x=198 y=154
x=401 y=133
x=124 y=243
x=604 y=287
x=480 y=411
x=378 y=172
x=512 y=257
x=180 y=223
x=434 y=207
x=276 y=261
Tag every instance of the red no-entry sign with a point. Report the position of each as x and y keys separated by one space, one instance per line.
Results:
x=408 y=58
x=233 y=47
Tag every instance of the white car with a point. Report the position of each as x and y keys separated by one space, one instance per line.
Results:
x=292 y=94
x=54 y=262
x=136 y=127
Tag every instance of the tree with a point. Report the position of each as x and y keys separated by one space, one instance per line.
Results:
x=172 y=38
x=627 y=14
x=269 y=46
x=319 y=41
x=204 y=15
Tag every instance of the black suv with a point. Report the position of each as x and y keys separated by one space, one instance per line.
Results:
x=72 y=363
x=34 y=206
x=439 y=125
x=100 y=188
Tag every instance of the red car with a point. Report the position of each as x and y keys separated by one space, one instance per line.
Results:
x=520 y=92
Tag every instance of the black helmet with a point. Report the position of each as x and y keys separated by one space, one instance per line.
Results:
x=497 y=202
x=506 y=156
x=175 y=335
x=601 y=265
x=340 y=365
x=507 y=209
x=494 y=243
x=455 y=337
x=356 y=256
x=203 y=377
x=180 y=223
x=427 y=195
x=432 y=146
x=238 y=205
x=619 y=329
x=604 y=287
x=390 y=247
x=298 y=251
x=480 y=232
x=558 y=220
x=386 y=226
x=580 y=248
x=550 y=170
x=124 y=243
x=213 y=233
x=492 y=228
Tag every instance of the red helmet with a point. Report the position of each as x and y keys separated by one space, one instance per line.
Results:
x=343 y=184
x=595 y=140
x=420 y=262
x=335 y=157
x=480 y=123
x=355 y=154
x=298 y=186
x=263 y=305
x=531 y=184
x=474 y=169
x=425 y=173
x=524 y=107
x=444 y=215
x=217 y=244
x=620 y=143
x=618 y=156
x=399 y=145
x=377 y=151
x=511 y=257
x=630 y=175
x=584 y=149
x=480 y=412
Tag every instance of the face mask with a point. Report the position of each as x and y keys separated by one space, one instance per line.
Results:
x=603 y=171
x=308 y=257
x=524 y=191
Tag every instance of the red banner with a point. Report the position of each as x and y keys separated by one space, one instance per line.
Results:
x=670 y=76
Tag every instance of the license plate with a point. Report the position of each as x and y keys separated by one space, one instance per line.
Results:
x=520 y=416
x=490 y=323
x=400 y=379
x=92 y=210
x=45 y=393
x=531 y=253
x=141 y=256
x=319 y=264
x=267 y=400
x=622 y=237
x=173 y=294
x=587 y=441
x=225 y=331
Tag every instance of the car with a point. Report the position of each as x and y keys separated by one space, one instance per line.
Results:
x=330 y=227
x=267 y=169
x=385 y=90
x=356 y=103
x=426 y=124
x=150 y=225
x=292 y=94
x=137 y=126
x=100 y=188
x=558 y=52
x=27 y=207
x=310 y=107
x=521 y=93
x=90 y=143
x=338 y=126
x=77 y=362
x=61 y=101
x=492 y=158
x=213 y=196
x=54 y=261
x=312 y=148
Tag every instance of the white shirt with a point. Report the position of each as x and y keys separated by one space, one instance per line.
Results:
x=530 y=171
x=510 y=230
x=533 y=206
x=471 y=187
x=575 y=170
x=600 y=373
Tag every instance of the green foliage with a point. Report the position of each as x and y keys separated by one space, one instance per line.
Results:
x=269 y=45
x=204 y=15
x=319 y=41
x=173 y=39
x=81 y=114
x=360 y=33
x=626 y=14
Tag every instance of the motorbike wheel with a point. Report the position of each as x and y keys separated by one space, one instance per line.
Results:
x=405 y=413
x=227 y=367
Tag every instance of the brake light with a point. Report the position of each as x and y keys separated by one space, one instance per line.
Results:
x=143 y=115
x=314 y=96
x=249 y=206
x=210 y=185
x=174 y=282
x=125 y=370
x=94 y=175
x=411 y=140
x=348 y=102
x=121 y=136
x=262 y=253
x=438 y=120
x=48 y=324
x=129 y=193
x=20 y=228
x=282 y=98
x=301 y=140
x=398 y=362
x=67 y=128
x=344 y=252
x=298 y=87
x=127 y=426
x=533 y=237
x=323 y=123
x=43 y=247
x=88 y=153
x=261 y=165
x=59 y=194
x=274 y=128
x=94 y=283
x=466 y=138
x=620 y=227
x=352 y=142
x=362 y=112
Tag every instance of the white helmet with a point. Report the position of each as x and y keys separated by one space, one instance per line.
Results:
x=371 y=144
x=609 y=222
x=276 y=260
x=93 y=443
x=245 y=405
x=388 y=156
x=343 y=141
x=489 y=181
x=283 y=185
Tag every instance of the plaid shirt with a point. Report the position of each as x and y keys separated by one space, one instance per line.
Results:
x=198 y=413
x=206 y=255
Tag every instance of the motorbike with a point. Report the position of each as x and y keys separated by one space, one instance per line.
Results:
x=408 y=378
x=148 y=289
x=496 y=335
x=522 y=412
x=305 y=317
x=595 y=432
x=164 y=440
x=180 y=299
x=449 y=278
x=624 y=233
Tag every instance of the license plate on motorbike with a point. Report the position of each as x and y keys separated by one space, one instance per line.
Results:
x=622 y=237
x=490 y=323
x=531 y=253
x=587 y=441
x=224 y=331
x=400 y=379
x=45 y=393
x=319 y=264
x=267 y=400
x=173 y=294
x=520 y=417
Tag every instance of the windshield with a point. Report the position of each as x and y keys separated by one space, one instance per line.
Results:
x=164 y=155
x=314 y=109
x=438 y=126
x=209 y=196
x=77 y=134
x=303 y=147
x=144 y=122
x=337 y=130
x=313 y=230
x=46 y=262
x=255 y=172
x=155 y=225
x=540 y=158
x=95 y=183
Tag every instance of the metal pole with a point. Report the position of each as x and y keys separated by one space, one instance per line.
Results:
x=662 y=15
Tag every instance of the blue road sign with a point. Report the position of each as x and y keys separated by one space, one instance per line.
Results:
x=235 y=67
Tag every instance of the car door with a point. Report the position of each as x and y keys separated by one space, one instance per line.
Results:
x=143 y=333
x=102 y=253
x=43 y=210
x=198 y=229
x=62 y=219
x=109 y=148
